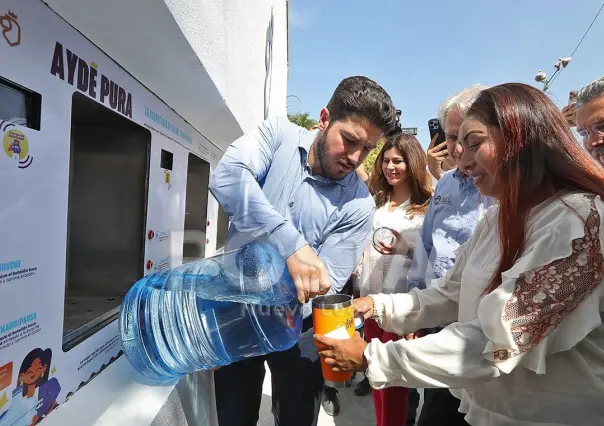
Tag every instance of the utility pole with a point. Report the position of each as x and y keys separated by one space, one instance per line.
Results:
x=541 y=77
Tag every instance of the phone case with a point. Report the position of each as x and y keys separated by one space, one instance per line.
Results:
x=435 y=128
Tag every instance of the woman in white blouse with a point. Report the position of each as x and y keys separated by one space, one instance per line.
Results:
x=401 y=187
x=526 y=291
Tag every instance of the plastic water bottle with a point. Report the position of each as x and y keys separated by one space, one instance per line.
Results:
x=210 y=313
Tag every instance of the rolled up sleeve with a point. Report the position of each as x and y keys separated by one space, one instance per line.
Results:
x=235 y=185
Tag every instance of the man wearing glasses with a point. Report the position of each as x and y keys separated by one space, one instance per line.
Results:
x=590 y=118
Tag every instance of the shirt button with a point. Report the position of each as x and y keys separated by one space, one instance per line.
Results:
x=466 y=192
x=291 y=204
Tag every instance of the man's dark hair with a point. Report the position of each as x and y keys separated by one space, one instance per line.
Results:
x=363 y=97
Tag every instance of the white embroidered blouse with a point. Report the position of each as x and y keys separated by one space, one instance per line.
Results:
x=530 y=353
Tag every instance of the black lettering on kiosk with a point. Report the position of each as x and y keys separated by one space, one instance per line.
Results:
x=121 y=101
x=82 y=76
x=86 y=80
x=92 y=86
x=104 y=88
x=57 y=67
x=128 y=111
x=113 y=94
x=72 y=61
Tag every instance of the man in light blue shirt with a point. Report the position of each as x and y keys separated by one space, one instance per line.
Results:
x=454 y=211
x=299 y=190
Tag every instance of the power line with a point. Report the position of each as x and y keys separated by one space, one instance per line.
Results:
x=589 y=28
x=580 y=41
x=555 y=96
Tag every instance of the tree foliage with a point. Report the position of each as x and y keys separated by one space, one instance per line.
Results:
x=302 y=120
x=370 y=160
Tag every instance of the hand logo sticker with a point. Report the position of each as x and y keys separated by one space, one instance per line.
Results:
x=11 y=30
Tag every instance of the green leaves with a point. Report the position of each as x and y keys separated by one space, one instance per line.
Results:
x=302 y=120
x=370 y=160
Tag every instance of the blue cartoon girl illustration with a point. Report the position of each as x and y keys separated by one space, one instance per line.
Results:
x=36 y=393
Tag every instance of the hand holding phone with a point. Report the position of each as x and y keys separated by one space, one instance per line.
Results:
x=436 y=130
x=437 y=151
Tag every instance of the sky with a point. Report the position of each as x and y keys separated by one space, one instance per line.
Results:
x=423 y=51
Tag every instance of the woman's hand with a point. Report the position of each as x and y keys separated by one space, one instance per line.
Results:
x=400 y=245
x=363 y=306
x=344 y=355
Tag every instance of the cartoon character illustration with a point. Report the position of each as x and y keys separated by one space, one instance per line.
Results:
x=15 y=148
x=36 y=394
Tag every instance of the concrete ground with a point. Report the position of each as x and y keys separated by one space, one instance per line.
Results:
x=355 y=410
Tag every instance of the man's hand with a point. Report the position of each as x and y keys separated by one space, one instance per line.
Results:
x=309 y=273
x=435 y=157
x=363 y=306
x=570 y=113
x=344 y=355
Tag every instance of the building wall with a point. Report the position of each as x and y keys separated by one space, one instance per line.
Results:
x=231 y=37
x=206 y=59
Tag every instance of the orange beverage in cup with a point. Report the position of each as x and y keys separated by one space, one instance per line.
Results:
x=333 y=316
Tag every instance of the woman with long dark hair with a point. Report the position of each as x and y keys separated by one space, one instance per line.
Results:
x=402 y=188
x=36 y=393
x=526 y=290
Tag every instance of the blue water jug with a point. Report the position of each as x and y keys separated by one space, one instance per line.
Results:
x=210 y=313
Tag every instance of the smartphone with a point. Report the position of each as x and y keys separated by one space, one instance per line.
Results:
x=436 y=129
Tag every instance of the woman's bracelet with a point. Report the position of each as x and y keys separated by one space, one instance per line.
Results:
x=372 y=306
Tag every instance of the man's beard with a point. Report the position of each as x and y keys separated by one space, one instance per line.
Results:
x=323 y=159
x=597 y=151
x=321 y=155
x=598 y=154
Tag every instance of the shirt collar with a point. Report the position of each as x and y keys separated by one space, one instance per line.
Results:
x=306 y=140
x=463 y=179
x=460 y=176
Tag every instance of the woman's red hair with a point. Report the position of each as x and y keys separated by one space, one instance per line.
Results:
x=538 y=156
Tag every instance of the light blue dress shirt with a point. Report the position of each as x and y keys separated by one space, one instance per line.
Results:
x=454 y=211
x=265 y=185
